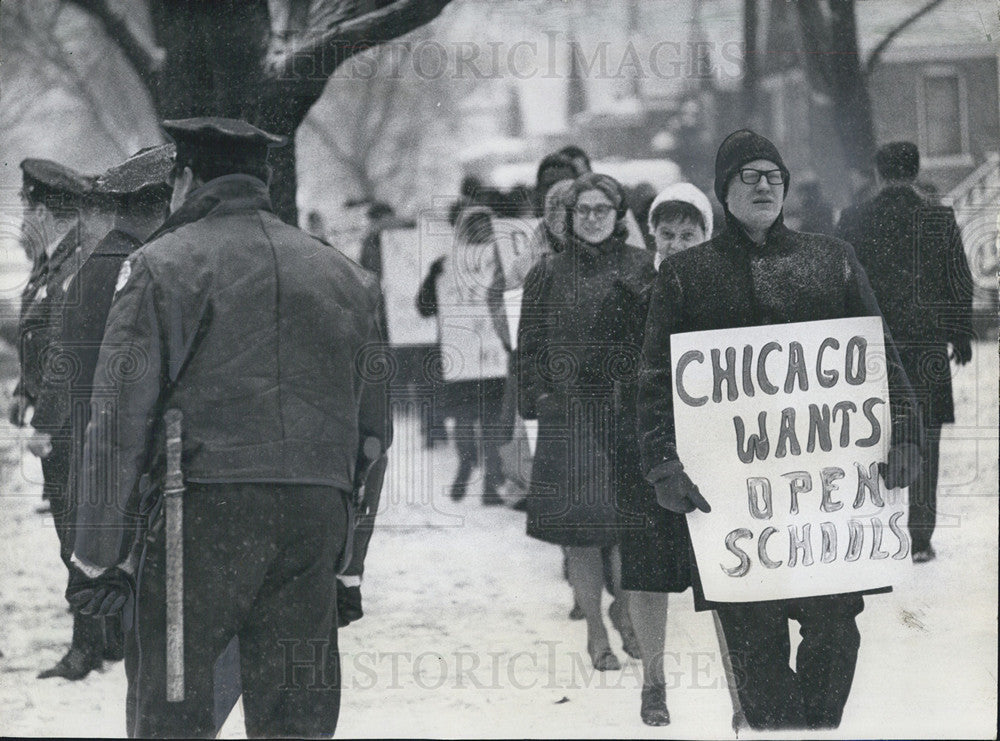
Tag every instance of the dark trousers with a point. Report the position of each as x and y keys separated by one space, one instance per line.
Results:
x=923 y=492
x=772 y=695
x=259 y=563
x=88 y=632
x=479 y=402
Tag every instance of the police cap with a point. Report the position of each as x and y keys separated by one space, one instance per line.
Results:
x=212 y=143
x=44 y=178
x=147 y=169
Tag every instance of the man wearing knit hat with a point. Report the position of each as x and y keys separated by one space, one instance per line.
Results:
x=913 y=253
x=269 y=344
x=759 y=272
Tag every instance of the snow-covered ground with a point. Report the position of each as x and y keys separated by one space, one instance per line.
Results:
x=465 y=632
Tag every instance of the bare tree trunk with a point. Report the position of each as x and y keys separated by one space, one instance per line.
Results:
x=750 y=60
x=834 y=64
x=219 y=58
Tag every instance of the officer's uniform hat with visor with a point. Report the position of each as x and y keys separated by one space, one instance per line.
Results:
x=213 y=146
x=45 y=182
x=146 y=174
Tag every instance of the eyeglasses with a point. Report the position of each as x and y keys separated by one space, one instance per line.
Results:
x=750 y=176
x=599 y=211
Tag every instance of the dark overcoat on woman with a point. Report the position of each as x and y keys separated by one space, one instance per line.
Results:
x=655 y=544
x=567 y=368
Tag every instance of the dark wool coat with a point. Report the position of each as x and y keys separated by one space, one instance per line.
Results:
x=567 y=366
x=913 y=255
x=268 y=342
x=655 y=545
x=81 y=328
x=731 y=282
x=41 y=306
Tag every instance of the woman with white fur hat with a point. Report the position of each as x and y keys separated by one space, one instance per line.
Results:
x=654 y=541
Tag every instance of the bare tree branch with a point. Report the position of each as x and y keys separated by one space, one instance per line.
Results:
x=876 y=53
x=47 y=48
x=356 y=166
x=331 y=47
x=147 y=62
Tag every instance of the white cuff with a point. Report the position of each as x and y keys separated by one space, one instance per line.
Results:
x=91 y=572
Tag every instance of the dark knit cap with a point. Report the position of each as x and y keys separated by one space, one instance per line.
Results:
x=898 y=161
x=735 y=151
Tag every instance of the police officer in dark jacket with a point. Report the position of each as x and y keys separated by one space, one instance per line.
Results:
x=759 y=272
x=55 y=199
x=270 y=345
x=53 y=196
x=137 y=192
x=913 y=254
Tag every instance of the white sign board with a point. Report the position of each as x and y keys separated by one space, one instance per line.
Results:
x=516 y=248
x=470 y=346
x=782 y=429
x=512 y=308
x=406 y=258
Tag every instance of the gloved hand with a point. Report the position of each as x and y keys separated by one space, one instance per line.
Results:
x=348 y=604
x=902 y=467
x=103 y=596
x=678 y=493
x=961 y=351
x=18 y=410
x=40 y=444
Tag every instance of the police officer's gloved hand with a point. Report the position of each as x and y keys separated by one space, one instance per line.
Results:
x=348 y=604
x=902 y=467
x=105 y=595
x=40 y=444
x=962 y=350
x=678 y=493
x=18 y=410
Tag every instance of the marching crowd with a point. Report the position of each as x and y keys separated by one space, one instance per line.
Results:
x=167 y=283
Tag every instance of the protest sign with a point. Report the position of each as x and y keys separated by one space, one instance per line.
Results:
x=782 y=428
x=517 y=249
x=470 y=346
x=406 y=257
x=512 y=307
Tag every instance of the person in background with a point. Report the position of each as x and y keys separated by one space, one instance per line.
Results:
x=654 y=541
x=475 y=404
x=758 y=272
x=566 y=382
x=679 y=217
x=553 y=168
x=640 y=199
x=912 y=251
x=381 y=216
x=579 y=158
x=815 y=214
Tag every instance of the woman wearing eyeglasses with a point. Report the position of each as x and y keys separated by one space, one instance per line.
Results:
x=566 y=382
